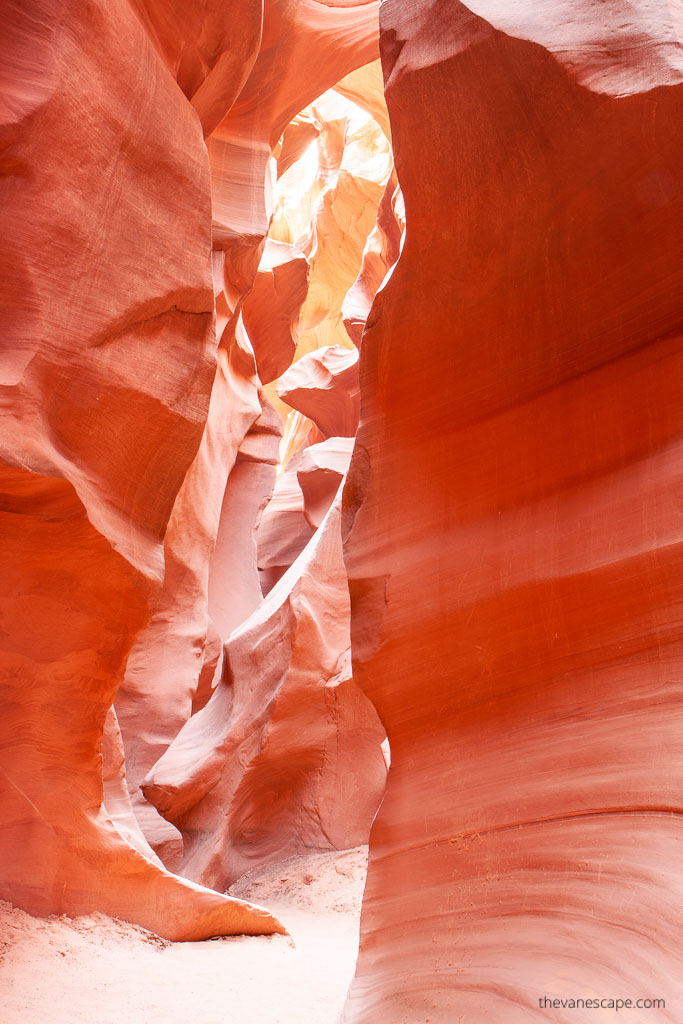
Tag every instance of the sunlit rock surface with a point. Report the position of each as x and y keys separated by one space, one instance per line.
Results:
x=320 y=471
x=156 y=696
x=354 y=164
x=271 y=310
x=234 y=588
x=380 y=255
x=105 y=397
x=283 y=530
x=324 y=387
x=512 y=540
x=127 y=403
x=286 y=756
x=200 y=213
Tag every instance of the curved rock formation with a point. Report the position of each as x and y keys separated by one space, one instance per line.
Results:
x=324 y=387
x=209 y=48
x=320 y=472
x=162 y=674
x=306 y=47
x=512 y=544
x=286 y=756
x=130 y=438
x=234 y=588
x=67 y=842
x=354 y=165
x=105 y=395
x=272 y=308
x=380 y=255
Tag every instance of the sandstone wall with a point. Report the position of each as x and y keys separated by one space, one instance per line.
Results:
x=511 y=533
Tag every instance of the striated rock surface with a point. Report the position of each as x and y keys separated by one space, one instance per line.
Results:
x=68 y=842
x=511 y=539
x=354 y=164
x=162 y=674
x=286 y=756
x=306 y=47
x=105 y=393
x=137 y=447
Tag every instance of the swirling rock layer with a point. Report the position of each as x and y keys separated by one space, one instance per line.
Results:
x=286 y=756
x=137 y=444
x=512 y=544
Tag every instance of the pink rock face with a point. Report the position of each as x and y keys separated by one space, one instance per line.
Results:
x=306 y=48
x=354 y=163
x=380 y=255
x=510 y=535
x=156 y=696
x=287 y=754
x=121 y=425
x=105 y=398
x=234 y=588
x=68 y=843
x=320 y=473
x=323 y=385
x=271 y=310
x=209 y=47
x=283 y=531
x=117 y=802
x=296 y=138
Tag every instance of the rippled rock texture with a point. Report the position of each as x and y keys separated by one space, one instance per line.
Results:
x=138 y=444
x=286 y=756
x=201 y=210
x=511 y=537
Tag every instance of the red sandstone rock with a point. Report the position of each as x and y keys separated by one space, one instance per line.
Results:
x=306 y=48
x=298 y=433
x=166 y=669
x=380 y=255
x=365 y=87
x=116 y=801
x=106 y=392
x=320 y=473
x=283 y=530
x=354 y=164
x=211 y=664
x=234 y=589
x=66 y=843
x=296 y=138
x=287 y=755
x=323 y=385
x=512 y=544
x=272 y=308
x=209 y=47
x=156 y=696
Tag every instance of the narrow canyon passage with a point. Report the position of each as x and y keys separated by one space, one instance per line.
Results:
x=341 y=430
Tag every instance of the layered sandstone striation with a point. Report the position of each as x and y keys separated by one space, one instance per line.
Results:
x=512 y=545
x=105 y=398
x=202 y=227
x=135 y=430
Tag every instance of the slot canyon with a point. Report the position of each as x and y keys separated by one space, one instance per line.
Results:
x=341 y=388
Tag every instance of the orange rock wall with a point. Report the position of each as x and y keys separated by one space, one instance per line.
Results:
x=108 y=364
x=512 y=535
x=129 y=392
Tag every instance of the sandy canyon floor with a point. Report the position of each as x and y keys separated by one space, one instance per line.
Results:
x=103 y=971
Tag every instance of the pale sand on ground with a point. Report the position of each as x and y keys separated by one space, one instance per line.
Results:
x=102 y=971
